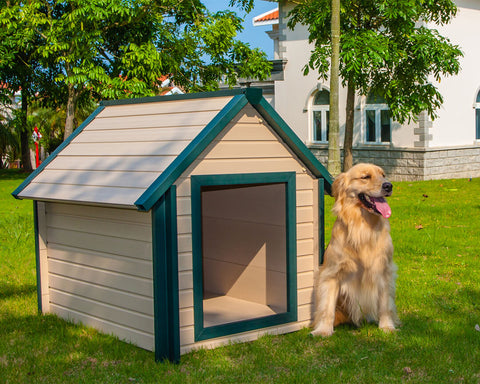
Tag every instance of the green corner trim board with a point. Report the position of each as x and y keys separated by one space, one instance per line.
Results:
x=279 y=187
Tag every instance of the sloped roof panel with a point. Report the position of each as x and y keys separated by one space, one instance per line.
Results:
x=117 y=155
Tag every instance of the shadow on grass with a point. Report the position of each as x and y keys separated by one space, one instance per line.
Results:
x=13 y=174
x=45 y=348
x=9 y=290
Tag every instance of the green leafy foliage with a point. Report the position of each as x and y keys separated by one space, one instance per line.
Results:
x=387 y=47
x=111 y=49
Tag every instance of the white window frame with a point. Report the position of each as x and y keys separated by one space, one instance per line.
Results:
x=378 y=126
x=323 y=109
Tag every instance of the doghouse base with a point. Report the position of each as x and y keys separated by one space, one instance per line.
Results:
x=226 y=309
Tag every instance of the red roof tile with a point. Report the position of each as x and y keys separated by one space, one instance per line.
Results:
x=267 y=16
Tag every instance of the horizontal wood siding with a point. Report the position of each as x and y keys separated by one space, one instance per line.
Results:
x=248 y=145
x=123 y=151
x=100 y=269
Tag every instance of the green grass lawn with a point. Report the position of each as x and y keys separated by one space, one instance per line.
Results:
x=435 y=230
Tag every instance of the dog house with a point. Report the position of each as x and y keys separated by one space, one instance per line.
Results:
x=180 y=222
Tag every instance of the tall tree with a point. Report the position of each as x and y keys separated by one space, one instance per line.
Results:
x=388 y=47
x=105 y=49
x=19 y=68
x=334 y=165
x=120 y=48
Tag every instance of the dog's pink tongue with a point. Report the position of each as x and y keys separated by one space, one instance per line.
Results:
x=382 y=206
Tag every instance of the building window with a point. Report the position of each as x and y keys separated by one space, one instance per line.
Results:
x=377 y=120
x=320 y=117
x=477 y=117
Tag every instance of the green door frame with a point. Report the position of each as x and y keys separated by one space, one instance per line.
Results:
x=197 y=182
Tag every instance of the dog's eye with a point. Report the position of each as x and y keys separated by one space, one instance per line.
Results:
x=366 y=177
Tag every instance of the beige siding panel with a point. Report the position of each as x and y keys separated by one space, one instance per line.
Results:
x=305 y=296
x=185 y=262
x=132 y=284
x=304 y=198
x=112 y=163
x=142 y=339
x=181 y=119
x=305 y=280
x=185 y=298
x=177 y=106
x=304 y=247
x=183 y=187
x=103 y=213
x=103 y=311
x=103 y=244
x=184 y=206
x=101 y=227
x=305 y=214
x=304 y=312
x=251 y=165
x=86 y=194
x=186 y=316
x=185 y=280
x=305 y=263
x=250 y=132
x=185 y=243
x=305 y=231
x=248 y=115
x=160 y=148
x=187 y=336
x=239 y=150
x=145 y=135
x=105 y=261
x=305 y=181
x=184 y=224
x=101 y=294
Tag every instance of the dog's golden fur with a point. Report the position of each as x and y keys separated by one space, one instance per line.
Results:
x=357 y=279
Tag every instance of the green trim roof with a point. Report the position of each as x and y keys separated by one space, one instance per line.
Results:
x=107 y=185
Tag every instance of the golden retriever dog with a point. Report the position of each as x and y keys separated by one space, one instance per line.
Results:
x=356 y=282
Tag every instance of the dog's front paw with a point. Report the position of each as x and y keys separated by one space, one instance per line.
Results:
x=322 y=330
x=387 y=325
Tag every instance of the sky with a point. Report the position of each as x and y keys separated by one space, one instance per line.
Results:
x=255 y=36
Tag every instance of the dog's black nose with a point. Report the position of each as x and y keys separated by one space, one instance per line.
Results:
x=387 y=187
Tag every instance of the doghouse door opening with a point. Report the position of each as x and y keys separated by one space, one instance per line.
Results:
x=244 y=252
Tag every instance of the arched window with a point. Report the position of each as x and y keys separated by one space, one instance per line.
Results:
x=377 y=120
x=320 y=111
x=477 y=117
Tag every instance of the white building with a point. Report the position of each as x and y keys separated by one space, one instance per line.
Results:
x=447 y=147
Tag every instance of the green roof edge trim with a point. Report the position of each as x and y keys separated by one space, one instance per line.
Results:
x=54 y=154
x=299 y=148
x=155 y=191
x=184 y=96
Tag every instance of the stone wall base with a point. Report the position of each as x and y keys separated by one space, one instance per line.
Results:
x=407 y=164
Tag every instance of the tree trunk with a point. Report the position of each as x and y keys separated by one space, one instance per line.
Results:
x=25 y=134
x=71 y=104
x=348 y=142
x=334 y=166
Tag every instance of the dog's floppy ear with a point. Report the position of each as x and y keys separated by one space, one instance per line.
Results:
x=338 y=185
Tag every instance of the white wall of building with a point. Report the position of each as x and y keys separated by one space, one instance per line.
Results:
x=455 y=125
